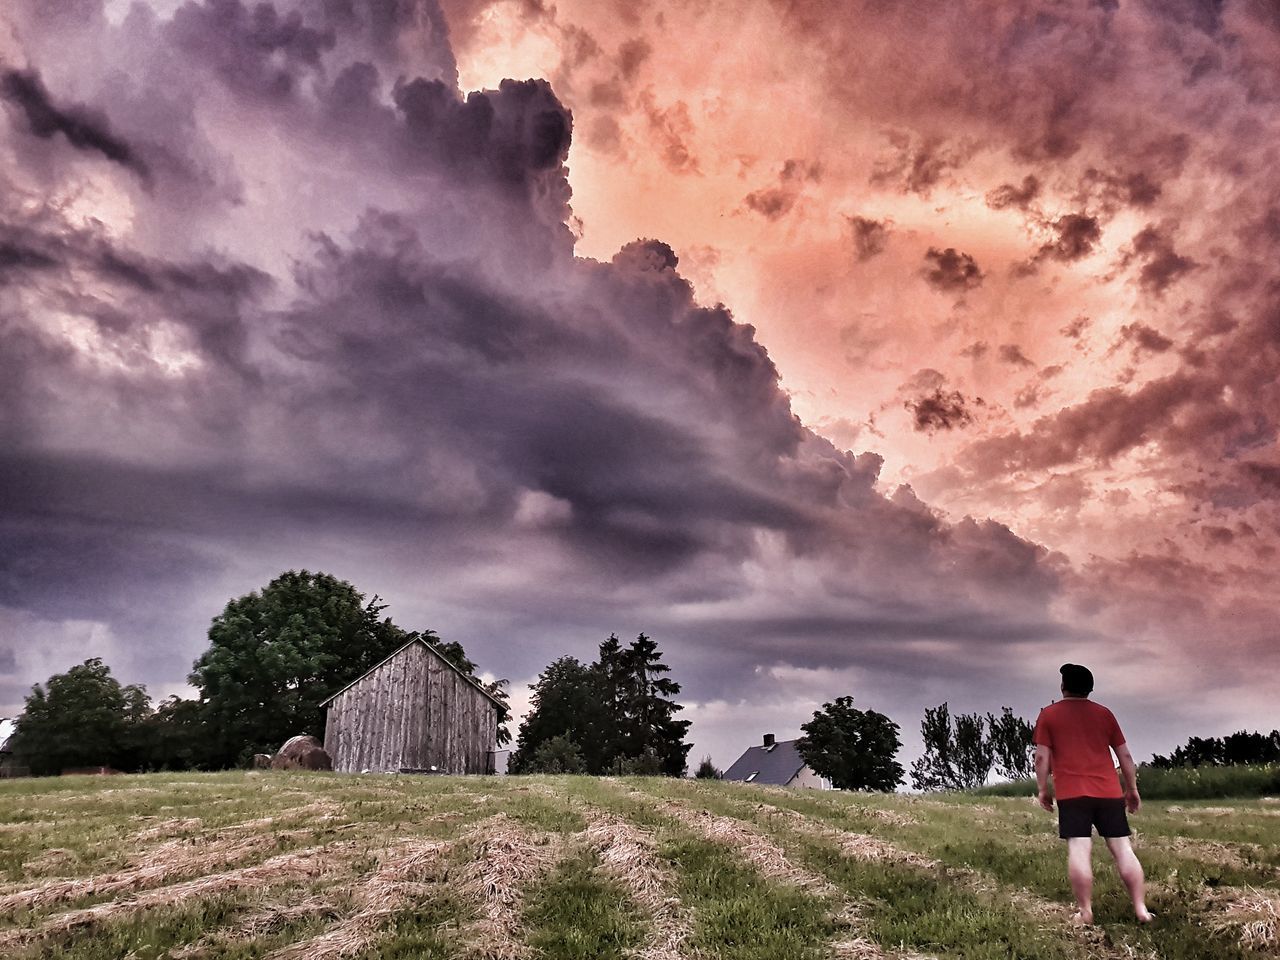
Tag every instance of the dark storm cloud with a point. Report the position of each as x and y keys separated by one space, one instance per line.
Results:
x=1021 y=196
x=1143 y=337
x=1162 y=265
x=1012 y=354
x=83 y=128
x=870 y=237
x=254 y=50
x=918 y=164
x=1076 y=237
x=940 y=410
x=774 y=202
x=951 y=270
x=385 y=362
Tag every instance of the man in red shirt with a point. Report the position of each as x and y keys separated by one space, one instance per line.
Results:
x=1074 y=739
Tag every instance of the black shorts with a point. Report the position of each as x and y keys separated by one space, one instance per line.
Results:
x=1078 y=816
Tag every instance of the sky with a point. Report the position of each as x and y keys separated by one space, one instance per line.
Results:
x=894 y=351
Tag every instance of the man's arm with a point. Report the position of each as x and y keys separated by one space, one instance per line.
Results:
x=1129 y=777
x=1044 y=764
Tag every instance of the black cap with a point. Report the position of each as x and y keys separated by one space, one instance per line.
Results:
x=1076 y=680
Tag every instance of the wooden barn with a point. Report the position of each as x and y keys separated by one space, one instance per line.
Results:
x=415 y=712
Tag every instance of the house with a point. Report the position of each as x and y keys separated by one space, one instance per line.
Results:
x=415 y=712
x=777 y=763
x=8 y=765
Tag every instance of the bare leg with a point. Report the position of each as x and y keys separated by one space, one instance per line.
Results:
x=1130 y=871
x=1080 y=872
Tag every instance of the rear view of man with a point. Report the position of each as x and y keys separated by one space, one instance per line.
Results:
x=1074 y=739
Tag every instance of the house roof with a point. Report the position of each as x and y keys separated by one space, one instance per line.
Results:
x=776 y=765
x=7 y=729
x=439 y=656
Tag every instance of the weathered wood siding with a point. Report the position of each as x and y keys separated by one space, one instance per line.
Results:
x=414 y=711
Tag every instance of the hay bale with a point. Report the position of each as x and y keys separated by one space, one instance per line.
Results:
x=302 y=753
x=262 y=761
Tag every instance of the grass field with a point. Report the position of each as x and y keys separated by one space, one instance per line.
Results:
x=302 y=866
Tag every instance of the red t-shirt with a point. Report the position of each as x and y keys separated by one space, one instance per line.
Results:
x=1079 y=732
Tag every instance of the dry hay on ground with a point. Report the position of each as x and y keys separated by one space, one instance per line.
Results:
x=169 y=828
x=761 y=852
x=271 y=919
x=406 y=874
x=1253 y=914
x=286 y=868
x=1209 y=851
x=505 y=861
x=51 y=861
x=171 y=859
x=627 y=855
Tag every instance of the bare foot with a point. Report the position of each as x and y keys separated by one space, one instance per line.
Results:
x=1145 y=915
x=1083 y=918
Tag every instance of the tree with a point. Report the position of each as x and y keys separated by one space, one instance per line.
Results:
x=557 y=755
x=620 y=711
x=935 y=769
x=708 y=770
x=178 y=736
x=1010 y=738
x=854 y=749
x=274 y=656
x=565 y=704
x=959 y=752
x=646 y=715
x=78 y=719
x=134 y=749
x=972 y=751
x=1236 y=748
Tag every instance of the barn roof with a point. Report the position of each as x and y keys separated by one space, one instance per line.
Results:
x=775 y=764
x=439 y=656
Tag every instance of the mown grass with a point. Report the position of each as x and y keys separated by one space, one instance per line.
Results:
x=990 y=851
x=578 y=915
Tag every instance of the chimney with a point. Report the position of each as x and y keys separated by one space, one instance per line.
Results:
x=768 y=740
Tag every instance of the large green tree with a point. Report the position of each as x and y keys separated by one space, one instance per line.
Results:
x=77 y=719
x=618 y=711
x=275 y=655
x=565 y=703
x=854 y=749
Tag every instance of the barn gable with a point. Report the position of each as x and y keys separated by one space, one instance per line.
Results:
x=413 y=711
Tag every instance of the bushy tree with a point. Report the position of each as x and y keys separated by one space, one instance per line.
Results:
x=178 y=736
x=556 y=755
x=960 y=751
x=77 y=719
x=645 y=713
x=708 y=770
x=1010 y=738
x=854 y=749
x=275 y=655
x=620 y=711
x=935 y=769
x=972 y=751
x=1241 y=747
x=564 y=704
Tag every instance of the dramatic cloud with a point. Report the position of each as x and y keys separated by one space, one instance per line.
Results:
x=870 y=237
x=951 y=270
x=357 y=286
x=82 y=129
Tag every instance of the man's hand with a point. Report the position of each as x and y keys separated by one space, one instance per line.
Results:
x=1132 y=802
x=1046 y=800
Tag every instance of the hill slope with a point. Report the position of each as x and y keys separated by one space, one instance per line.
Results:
x=242 y=865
